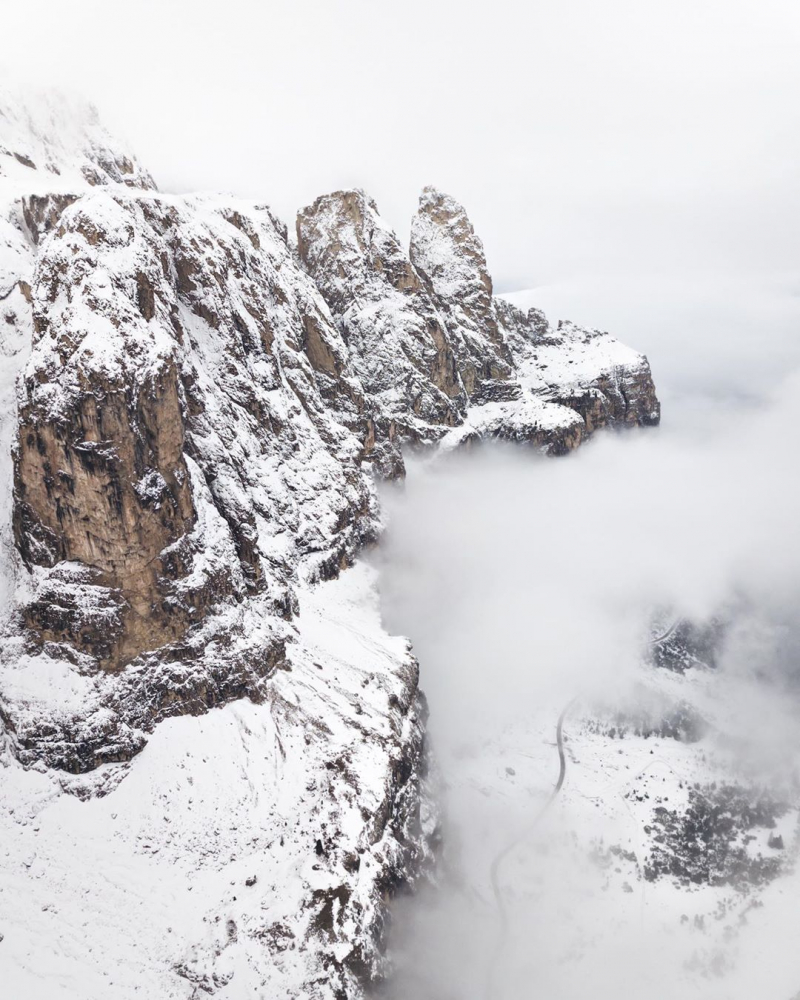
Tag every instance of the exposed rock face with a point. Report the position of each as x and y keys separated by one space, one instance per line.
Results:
x=100 y=474
x=137 y=346
x=202 y=411
x=587 y=371
x=446 y=251
x=98 y=496
x=197 y=406
x=397 y=341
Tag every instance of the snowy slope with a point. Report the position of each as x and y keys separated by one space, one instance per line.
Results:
x=581 y=906
x=200 y=416
x=231 y=854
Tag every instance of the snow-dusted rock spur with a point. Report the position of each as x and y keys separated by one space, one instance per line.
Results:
x=202 y=410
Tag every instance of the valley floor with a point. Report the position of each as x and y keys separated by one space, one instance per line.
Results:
x=583 y=917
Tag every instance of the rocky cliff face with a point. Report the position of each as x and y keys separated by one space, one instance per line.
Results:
x=202 y=412
x=449 y=255
x=169 y=364
x=396 y=340
x=588 y=371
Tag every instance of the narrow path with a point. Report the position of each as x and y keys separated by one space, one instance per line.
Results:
x=500 y=858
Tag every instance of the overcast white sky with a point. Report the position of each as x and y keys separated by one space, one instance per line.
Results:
x=636 y=161
x=581 y=134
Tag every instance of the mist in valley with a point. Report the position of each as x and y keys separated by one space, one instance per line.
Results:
x=631 y=167
x=528 y=582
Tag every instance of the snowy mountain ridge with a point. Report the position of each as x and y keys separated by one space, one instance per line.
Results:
x=200 y=419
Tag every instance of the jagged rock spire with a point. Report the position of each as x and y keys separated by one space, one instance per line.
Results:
x=448 y=253
x=397 y=339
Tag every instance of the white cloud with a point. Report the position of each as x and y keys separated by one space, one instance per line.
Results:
x=527 y=582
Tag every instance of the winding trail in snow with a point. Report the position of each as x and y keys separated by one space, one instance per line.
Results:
x=499 y=858
x=503 y=854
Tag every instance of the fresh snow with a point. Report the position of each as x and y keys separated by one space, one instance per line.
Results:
x=143 y=892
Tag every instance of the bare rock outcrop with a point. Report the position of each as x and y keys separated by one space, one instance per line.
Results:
x=104 y=483
x=167 y=334
x=588 y=371
x=448 y=254
x=397 y=341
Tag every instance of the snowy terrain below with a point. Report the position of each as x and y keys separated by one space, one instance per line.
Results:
x=195 y=871
x=667 y=864
x=580 y=910
x=579 y=905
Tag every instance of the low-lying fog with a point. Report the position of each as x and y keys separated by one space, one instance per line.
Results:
x=526 y=582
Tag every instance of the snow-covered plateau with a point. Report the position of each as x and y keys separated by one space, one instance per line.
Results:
x=215 y=777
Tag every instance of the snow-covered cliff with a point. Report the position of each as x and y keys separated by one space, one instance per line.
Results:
x=202 y=412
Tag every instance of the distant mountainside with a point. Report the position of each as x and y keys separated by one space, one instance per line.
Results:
x=195 y=411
